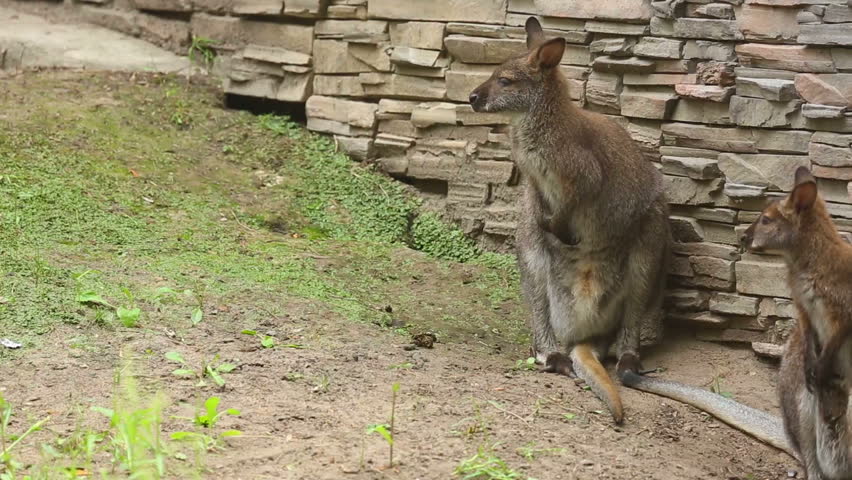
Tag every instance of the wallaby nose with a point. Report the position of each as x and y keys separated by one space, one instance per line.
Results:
x=473 y=98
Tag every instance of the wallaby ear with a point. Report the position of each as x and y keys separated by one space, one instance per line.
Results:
x=535 y=35
x=805 y=192
x=549 y=54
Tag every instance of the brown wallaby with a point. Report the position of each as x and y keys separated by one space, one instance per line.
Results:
x=816 y=369
x=593 y=238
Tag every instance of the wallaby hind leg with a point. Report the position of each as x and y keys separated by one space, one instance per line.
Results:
x=645 y=283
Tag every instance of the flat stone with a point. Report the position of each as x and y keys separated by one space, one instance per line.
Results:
x=609 y=64
x=658 y=79
x=359 y=148
x=829 y=155
x=415 y=56
x=659 y=47
x=427 y=35
x=616 y=28
x=762 y=170
x=762 y=278
x=733 y=304
x=692 y=167
x=303 y=8
x=374 y=56
x=400 y=86
x=332 y=56
x=826 y=34
x=460 y=84
x=657 y=104
x=709 y=50
x=837 y=14
x=483 y=50
x=741 y=191
x=706 y=249
x=337 y=29
x=604 y=90
x=685 y=229
x=716 y=73
x=842 y=58
x=764 y=73
x=431 y=114
x=716 y=10
x=782 y=141
x=357 y=114
x=483 y=11
x=257 y=7
x=711 y=93
x=807 y=17
x=297 y=38
x=767 y=88
x=699 y=111
x=687 y=300
x=706 y=29
x=628 y=11
x=798 y=58
x=757 y=112
x=619 y=47
x=767 y=350
x=768 y=24
x=338 y=85
x=685 y=191
x=813 y=111
x=816 y=90
x=275 y=55
x=347 y=12
x=834 y=173
x=168 y=5
x=700 y=136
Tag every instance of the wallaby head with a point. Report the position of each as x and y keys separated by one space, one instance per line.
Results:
x=519 y=82
x=781 y=223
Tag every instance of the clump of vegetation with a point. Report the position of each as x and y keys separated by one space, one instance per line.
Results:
x=485 y=465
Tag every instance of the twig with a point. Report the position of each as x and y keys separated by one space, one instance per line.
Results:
x=498 y=407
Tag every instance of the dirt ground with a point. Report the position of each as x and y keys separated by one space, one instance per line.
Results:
x=304 y=411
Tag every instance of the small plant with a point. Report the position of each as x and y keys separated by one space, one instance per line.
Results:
x=526 y=365
x=207 y=418
x=267 y=341
x=197 y=316
x=209 y=369
x=386 y=430
x=9 y=441
x=402 y=366
x=210 y=416
x=530 y=451
x=128 y=315
x=201 y=51
x=716 y=387
x=485 y=466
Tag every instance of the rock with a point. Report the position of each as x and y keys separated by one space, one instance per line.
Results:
x=782 y=141
x=658 y=79
x=302 y=8
x=628 y=11
x=347 y=12
x=763 y=170
x=338 y=85
x=740 y=191
x=656 y=103
x=706 y=249
x=807 y=17
x=815 y=90
x=767 y=88
x=685 y=191
x=768 y=350
x=659 y=47
x=168 y=5
x=837 y=14
x=710 y=93
x=483 y=50
x=707 y=50
x=762 y=278
x=662 y=27
x=716 y=10
x=735 y=335
x=842 y=58
x=733 y=304
x=170 y=34
x=700 y=136
x=257 y=7
x=427 y=115
x=359 y=148
x=616 y=28
x=427 y=35
x=757 y=112
x=769 y=24
x=374 y=56
x=357 y=114
x=401 y=86
x=332 y=56
x=685 y=229
x=716 y=73
x=713 y=267
x=619 y=47
x=765 y=73
x=834 y=173
x=482 y=11
x=698 y=111
x=825 y=34
x=415 y=56
x=603 y=90
x=798 y=58
x=830 y=155
x=461 y=83
x=687 y=300
x=810 y=110
x=338 y=29
x=692 y=167
x=706 y=29
x=622 y=65
x=275 y=55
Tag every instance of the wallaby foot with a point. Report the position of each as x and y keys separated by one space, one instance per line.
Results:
x=559 y=363
x=628 y=362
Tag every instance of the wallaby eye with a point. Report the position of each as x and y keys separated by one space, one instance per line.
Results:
x=764 y=220
x=503 y=81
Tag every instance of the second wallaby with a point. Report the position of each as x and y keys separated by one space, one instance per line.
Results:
x=816 y=369
x=593 y=238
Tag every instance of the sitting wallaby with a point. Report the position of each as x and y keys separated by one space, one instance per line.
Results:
x=816 y=369
x=593 y=239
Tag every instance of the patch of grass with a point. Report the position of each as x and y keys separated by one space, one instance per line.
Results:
x=485 y=465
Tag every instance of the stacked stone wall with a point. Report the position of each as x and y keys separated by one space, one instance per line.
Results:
x=727 y=98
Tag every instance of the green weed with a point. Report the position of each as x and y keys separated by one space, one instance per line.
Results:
x=212 y=369
x=485 y=465
x=201 y=51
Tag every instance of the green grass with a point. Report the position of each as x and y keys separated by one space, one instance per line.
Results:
x=143 y=204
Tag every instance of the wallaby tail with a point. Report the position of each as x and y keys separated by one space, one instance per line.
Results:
x=589 y=368
x=758 y=424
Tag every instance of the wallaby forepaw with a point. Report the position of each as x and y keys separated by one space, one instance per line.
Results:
x=559 y=363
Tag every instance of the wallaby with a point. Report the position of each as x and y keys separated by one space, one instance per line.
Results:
x=593 y=238
x=816 y=369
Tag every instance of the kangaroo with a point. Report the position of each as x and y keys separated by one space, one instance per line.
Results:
x=593 y=239
x=817 y=363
